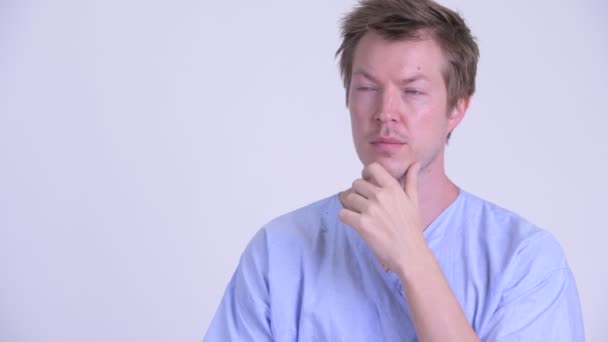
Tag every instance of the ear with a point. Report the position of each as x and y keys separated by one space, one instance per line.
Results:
x=457 y=113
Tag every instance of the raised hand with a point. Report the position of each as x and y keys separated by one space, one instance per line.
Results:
x=385 y=214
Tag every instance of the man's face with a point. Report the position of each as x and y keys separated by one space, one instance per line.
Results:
x=398 y=103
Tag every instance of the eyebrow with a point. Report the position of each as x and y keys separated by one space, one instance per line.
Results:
x=414 y=78
x=364 y=74
x=408 y=80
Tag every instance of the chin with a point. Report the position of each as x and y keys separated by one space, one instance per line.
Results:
x=396 y=168
x=396 y=171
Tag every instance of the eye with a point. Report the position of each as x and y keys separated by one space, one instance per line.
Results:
x=413 y=92
x=365 y=88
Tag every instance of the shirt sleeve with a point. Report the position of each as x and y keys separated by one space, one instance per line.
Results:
x=244 y=312
x=540 y=301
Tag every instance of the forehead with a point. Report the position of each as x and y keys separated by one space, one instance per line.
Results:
x=398 y=58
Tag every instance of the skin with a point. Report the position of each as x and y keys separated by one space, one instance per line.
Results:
x=398 y=92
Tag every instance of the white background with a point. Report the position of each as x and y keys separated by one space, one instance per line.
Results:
x=142 y=144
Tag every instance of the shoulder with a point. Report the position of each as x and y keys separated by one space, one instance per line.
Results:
x=495 y=220
x=529 y=283
x=298 y=228
x=288 y=235
x=305 y=221
x=519 y=245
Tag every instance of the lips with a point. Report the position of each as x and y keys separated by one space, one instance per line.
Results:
x=387 y=144
x=388 y=140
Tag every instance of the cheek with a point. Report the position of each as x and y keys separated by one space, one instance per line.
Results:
x=358 y=131
x=359 y=118
x=362 y=103
x=433 y=131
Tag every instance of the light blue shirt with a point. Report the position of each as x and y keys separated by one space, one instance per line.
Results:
x=306 y=276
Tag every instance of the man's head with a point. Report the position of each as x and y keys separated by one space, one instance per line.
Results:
x=408 y=68
x=412 y=20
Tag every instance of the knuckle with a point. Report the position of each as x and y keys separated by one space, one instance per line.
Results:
x=374 y=209
x=364 y=221
x=349 y=196
x=382 y=195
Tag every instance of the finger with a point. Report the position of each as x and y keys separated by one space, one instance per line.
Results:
x=350 y=218
x=355 y=202
x=411 y=182
x=364 y=188
x=377 y=175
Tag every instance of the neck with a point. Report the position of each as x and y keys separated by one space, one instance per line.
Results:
x=435 y=193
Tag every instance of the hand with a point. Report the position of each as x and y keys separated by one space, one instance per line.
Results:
x=385 y=214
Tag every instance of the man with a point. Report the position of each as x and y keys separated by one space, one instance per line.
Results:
x=404 y=254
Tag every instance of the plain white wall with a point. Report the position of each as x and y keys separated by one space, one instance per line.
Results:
x=142 y=144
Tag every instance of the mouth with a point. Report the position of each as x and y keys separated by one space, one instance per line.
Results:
x=387 y=140
x=387 y=144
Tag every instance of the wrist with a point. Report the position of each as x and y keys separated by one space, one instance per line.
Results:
x=417 y=260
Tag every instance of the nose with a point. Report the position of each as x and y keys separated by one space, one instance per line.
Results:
x=388 y=106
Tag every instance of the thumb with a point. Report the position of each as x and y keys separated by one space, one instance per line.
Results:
x=410 y=186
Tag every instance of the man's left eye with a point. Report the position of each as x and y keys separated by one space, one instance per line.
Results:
x=413 y=92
